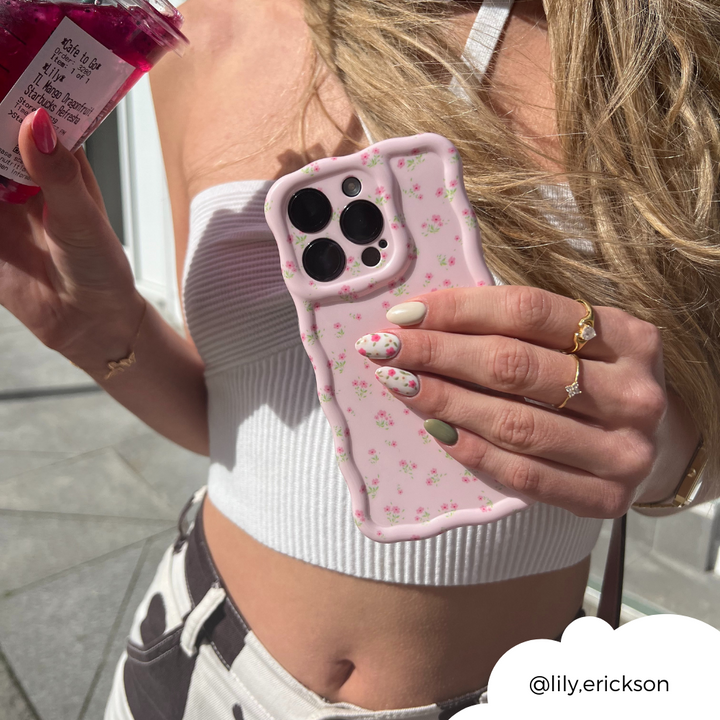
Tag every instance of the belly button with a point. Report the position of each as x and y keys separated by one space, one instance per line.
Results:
x=341 y=673
x=347 y=668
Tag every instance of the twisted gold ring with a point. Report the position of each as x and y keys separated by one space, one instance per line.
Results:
x=573 y=388
x=586 y=329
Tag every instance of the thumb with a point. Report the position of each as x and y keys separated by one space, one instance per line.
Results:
x=71 y=213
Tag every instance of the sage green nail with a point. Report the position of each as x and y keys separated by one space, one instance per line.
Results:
x=441 y=431
x=409 y=313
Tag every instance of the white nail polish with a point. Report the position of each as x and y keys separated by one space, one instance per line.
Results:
x=409 y=313
x=399 y=381
x=378 y=346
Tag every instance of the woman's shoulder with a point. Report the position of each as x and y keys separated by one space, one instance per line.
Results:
x=239 y=27
x=231 y=107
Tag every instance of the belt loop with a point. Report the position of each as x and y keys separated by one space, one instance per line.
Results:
x=182 y=525
x=199 y=615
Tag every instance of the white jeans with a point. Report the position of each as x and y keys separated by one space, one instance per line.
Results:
x=191 y=656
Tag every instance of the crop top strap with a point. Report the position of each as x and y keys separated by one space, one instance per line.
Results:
x=484 y=36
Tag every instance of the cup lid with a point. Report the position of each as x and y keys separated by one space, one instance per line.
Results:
x=165 y=14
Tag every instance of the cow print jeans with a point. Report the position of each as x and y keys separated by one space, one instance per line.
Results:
x=192 y=656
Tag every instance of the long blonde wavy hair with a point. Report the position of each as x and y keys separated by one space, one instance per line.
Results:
x=637 y=85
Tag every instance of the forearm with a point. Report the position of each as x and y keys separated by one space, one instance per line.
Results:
x=165 y=386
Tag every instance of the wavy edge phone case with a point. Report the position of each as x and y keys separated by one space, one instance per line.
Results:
x=403 y=485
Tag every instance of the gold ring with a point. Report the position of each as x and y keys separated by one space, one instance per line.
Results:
x=573 y=388
x=586 y=329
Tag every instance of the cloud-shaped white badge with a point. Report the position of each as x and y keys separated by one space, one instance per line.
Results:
x=662 y=667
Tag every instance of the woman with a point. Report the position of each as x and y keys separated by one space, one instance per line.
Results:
x=258 y=614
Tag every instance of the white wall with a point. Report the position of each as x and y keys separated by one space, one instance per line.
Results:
x=147 y=218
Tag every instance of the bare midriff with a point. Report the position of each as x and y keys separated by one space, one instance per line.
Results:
x=382 y=645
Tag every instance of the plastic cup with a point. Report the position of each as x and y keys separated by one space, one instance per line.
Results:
x=77 y=59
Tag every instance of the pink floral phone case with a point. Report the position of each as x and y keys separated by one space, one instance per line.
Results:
x=403 y=204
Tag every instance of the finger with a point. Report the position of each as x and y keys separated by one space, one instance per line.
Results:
x=512 y=367
x=531 y=314
x=72 y=215
x=580 y=492
x=90 y=180
x=529 y=430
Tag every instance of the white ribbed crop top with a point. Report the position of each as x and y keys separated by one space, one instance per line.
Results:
x=273 y=470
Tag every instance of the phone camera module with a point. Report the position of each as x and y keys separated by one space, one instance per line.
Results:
x=361 y=222
x=351 y=186
x=323 y=260
x=309 y=210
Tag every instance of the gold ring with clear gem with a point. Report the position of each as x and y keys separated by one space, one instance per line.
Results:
x=586 y=329
x=573 y=388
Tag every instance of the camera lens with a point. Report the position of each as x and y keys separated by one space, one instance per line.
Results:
x=351 y=186
x=323 y=260
x=371 y=256
x=309 y=210
x=361 y=222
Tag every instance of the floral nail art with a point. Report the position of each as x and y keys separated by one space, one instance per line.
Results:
x=399 y=381
x=378 y=346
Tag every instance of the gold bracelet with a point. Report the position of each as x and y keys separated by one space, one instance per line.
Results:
x=689 y=486
x=115 y=367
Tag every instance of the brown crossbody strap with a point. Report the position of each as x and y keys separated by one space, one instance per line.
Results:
x=611 y=593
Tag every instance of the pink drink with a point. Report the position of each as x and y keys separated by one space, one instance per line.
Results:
x=59 y=66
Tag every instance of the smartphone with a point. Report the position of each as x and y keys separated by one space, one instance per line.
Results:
x=356 y=235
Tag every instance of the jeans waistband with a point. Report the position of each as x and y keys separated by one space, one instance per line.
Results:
x=226 y=628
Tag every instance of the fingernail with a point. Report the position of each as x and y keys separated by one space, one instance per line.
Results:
x=409 y=313
x=378 y=346
x=441 y=431
x=43 y=132
x=399 y=381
